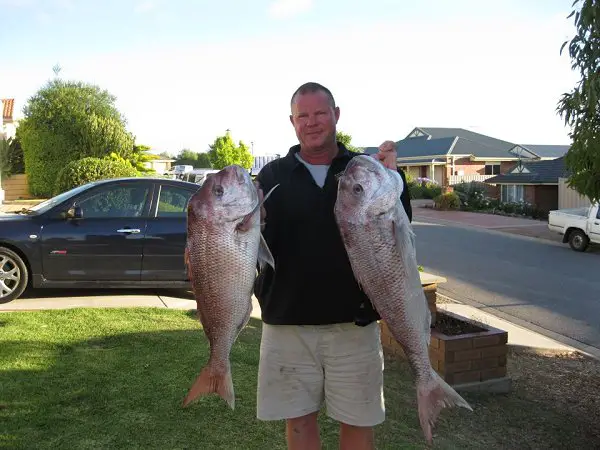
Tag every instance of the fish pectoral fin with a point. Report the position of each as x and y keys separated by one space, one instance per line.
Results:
x=403 y=233
x=186 y=260
x=244 y=225
x=264 y=254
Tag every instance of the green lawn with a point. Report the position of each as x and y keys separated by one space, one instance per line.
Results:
x=115 y=378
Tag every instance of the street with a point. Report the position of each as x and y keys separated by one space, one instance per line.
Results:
x=548 y=285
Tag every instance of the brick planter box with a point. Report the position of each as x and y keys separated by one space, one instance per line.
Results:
x=473 y=359
x=430 y=283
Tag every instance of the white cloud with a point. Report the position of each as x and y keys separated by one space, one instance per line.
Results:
x=284 y=9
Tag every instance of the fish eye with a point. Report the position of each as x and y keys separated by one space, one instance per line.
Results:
x=218 y=190
x=357 y=188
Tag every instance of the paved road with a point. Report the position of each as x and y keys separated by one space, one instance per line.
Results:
x=539 y=282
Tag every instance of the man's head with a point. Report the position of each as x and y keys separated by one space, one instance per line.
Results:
x=314 y=116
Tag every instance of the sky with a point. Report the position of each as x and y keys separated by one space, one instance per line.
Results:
x=185 y=71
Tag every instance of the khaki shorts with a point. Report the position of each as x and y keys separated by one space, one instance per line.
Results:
x=303 y=366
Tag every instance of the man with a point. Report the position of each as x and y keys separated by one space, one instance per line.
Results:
x=320 y=338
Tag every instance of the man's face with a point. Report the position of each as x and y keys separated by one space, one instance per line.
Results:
x=314 y=119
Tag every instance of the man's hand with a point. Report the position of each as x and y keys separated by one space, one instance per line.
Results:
x=387 y=155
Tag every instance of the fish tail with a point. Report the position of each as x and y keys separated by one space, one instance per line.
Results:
x=432 y=397
x=212 y=380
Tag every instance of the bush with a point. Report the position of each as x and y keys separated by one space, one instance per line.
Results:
x=423 y=188
x=473 y=196
x=11 y=157
x=88 y=169
x=449 y=200
x=522 y=209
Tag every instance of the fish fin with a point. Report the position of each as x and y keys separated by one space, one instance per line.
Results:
x=186 y=261
x=212 y=381
x=404 y=233
x=432 y=397
x=264 y=254
x=244 y=225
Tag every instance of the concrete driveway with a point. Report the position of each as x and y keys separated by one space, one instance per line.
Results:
x=36 y=299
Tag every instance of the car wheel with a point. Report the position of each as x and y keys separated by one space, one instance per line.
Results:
x=578 y=241
x=13 y=275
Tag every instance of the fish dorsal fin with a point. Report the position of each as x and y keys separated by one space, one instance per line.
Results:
x=264 y=254
x=245 y=223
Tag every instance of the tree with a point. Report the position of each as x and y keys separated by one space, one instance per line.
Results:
x=346 y=139
x=195 y=159
x=138 y=158
x=223 y=152
x=580 y=107
x=66 y=121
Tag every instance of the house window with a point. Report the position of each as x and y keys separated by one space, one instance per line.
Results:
x=512 y=193
x=492 y=169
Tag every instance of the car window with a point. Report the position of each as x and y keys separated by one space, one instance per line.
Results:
x=115 y=201
x=598 y=213
x=173 y=201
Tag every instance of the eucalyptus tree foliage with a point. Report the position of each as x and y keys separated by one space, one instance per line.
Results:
x=580 y=107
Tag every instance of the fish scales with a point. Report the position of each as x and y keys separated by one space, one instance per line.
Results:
x=380 y=243
x=224 y=245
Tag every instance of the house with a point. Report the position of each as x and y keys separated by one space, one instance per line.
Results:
x=161 y=166
x=260 y=161
x=454 y=155
x=534 y=182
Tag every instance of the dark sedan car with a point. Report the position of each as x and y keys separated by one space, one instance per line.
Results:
x=117 y=233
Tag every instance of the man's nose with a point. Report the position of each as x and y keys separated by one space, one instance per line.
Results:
x=311 y=120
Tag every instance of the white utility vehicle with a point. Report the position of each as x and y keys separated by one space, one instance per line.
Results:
x=580 y=227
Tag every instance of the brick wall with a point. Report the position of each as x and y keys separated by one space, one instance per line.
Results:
x=469 y=167
x=546 y=197
x=529 y=194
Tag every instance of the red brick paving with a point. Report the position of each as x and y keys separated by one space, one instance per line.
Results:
x=512 y=225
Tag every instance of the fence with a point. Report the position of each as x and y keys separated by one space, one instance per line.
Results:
x=569 y=197
x=457 y=179
x=15 y=187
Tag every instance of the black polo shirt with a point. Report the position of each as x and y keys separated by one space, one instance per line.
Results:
x=313 y=282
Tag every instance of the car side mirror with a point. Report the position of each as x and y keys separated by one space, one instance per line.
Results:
x=75 y=212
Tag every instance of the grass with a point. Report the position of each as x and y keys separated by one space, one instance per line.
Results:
x=115 y=378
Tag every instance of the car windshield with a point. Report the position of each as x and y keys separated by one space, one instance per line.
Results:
x=47 y=204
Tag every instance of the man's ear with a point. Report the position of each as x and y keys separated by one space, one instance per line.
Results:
x=337 y=113
x=292 y=119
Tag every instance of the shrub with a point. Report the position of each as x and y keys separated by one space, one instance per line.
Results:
x=473 y=195
x=11 y=157
x=88 y=169
x=449 y=200
x=431 y=190
x=522 y=209
x=423 y=188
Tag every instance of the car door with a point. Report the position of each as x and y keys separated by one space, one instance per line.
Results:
x=595 y=227
x=166 y=235
x=106 y=243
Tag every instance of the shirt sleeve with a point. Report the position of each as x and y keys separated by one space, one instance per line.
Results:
x=405 y=196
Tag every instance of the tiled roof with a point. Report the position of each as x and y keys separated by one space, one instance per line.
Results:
x=8 y=105
x=458 y=141
x=488 y=141
x=539 y=172
x=548 y=151
x=418 y=147
x=423 y=147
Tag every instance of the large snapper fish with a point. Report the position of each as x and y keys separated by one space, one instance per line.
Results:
x=224 y=245
x=380 y=243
